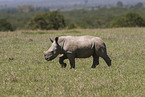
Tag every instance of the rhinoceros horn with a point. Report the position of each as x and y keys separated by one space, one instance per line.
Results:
x=51 y=40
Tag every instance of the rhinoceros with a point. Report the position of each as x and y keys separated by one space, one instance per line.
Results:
x=72 y=47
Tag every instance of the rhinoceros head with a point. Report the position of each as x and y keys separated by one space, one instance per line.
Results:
x=53 y=51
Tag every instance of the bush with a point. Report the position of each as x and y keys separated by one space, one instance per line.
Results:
x=130 y=20
x=134 y=20
x=5 y=25
x=47 y=21
x=71 y=26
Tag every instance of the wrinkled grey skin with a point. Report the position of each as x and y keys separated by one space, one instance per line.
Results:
x=72 y=47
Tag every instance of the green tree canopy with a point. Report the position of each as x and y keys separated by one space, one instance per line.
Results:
x=47 y=21
x=139 y=5
x=5 y=25
x=119 y=4
x=130 y=20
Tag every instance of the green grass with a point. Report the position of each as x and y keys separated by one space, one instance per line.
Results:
x=23 y=71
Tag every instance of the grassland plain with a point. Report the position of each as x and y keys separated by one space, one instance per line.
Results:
x=23 y=71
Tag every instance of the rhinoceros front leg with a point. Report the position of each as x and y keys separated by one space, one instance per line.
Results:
x=61 y=59
x=71 y=60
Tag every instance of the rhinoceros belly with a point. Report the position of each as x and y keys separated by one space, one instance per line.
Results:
x=83 y=53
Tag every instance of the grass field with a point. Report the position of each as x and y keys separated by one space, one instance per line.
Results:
x=23 y=71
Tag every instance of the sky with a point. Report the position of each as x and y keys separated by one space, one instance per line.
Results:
x=64 y=2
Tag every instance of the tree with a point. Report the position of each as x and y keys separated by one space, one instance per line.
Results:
x=25 y=8
x=71 y=26
x=119 y=4
x=134 y=20
x=130 y=20
x=139 y=5
x=120 y=22
x=38 y=22
x=47 y=21
x=5 y=25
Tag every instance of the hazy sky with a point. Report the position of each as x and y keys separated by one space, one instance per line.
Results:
x=60 y=2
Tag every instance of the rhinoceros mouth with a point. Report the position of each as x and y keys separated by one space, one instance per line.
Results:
x=48 y=59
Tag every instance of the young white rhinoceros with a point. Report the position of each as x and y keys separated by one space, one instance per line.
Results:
x=72 y=47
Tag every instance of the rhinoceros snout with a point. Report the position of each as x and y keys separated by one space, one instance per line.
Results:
x=46 y=58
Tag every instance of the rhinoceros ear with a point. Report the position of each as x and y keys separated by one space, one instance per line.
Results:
x=51 y=40
x=56 y=40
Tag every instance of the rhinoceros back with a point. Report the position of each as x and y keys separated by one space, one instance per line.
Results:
x=81 y=46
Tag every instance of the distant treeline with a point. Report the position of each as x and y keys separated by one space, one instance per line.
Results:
x=20 y=18
x=101 y=18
